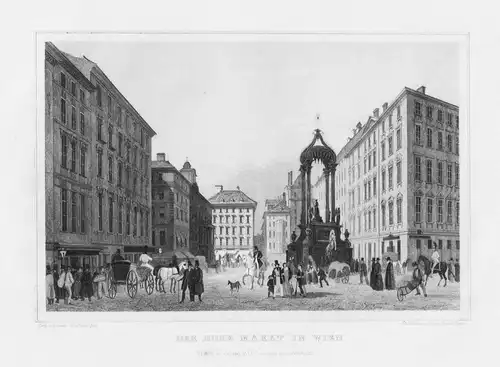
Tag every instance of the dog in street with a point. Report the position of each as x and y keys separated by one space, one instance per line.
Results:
x=234 y=286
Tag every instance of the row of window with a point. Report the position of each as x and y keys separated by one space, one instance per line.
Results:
x=429 y=114
x=226 y=241
x=226 y=219
x=130 y=153
x=77 y=158
x=74 y=117
x=138 y=133
x=136 y=219
x=370 y=187
x=440 y=207
x=440 y=168
x=440 y=244
x=73 y=217
x=242 y=230
x=429 y=140
x=73 y=88
x=234 y=210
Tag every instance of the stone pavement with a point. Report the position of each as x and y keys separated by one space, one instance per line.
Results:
x=217 y=297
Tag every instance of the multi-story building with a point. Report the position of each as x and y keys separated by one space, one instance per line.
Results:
x=98 y=151
x=171 y=207
x=293 y=196
x=201 y=229
x=397 y=180
x=234 y=220
x=276 y=226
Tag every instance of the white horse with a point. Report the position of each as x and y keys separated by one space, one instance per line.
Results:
x=171 y=274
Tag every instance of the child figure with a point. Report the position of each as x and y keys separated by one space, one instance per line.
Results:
x=270 y=286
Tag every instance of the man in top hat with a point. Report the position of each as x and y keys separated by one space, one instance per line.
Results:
x=117 y=256
x=379 y=283
x=144 y=259
x=363 y=271
x=257 y=256
x=278 y=279
x=390 y=280
x=372 y=274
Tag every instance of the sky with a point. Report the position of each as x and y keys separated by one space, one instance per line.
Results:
x=242 y=112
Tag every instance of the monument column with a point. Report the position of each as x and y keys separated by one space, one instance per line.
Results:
x=326 y=172
x=303 y=199
x=308 y=190
x=333 y=190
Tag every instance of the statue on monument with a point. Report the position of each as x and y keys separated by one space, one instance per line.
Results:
x=317 y=217
x=294 y=236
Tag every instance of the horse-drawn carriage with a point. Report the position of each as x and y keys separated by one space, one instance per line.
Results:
x=133 y=277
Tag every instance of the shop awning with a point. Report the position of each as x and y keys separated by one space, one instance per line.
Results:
x=390 y=237
x=74 y=249
x=138 y=249
x=420 y=236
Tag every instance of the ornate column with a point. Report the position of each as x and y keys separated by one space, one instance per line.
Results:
x=308 y=190
x=333 y=189
x=326 y=172
x=303 y=199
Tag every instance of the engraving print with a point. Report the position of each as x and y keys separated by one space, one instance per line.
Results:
x=221 y=176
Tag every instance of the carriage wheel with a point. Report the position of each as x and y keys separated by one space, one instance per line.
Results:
x=345 y=278
x=150 y=284
x=132 y=284
x=112 y=290
x=400 y=295
x=338 y=276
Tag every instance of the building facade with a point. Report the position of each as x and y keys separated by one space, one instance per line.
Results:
x=171 y=207
x=233 y=217
x=98 y=153
x=397 y=180
x=201 y=229
x=276 y=226
x=293 y=196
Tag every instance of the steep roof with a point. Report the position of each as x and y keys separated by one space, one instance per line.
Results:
x=162 y=164
x=231 y=196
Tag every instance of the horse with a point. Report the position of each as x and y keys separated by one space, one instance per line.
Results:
x=253 y=270
x=166 y=273
x=441 y=269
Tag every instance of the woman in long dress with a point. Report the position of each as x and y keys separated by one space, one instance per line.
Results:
x=287 y=274
x=49 y=285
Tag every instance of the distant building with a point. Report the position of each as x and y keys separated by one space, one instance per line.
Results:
x=234 y=220
x=98 y=154
x=171 y=207
x=201 y=229
x=293 y=201
x=276 y=226
x=397 y=180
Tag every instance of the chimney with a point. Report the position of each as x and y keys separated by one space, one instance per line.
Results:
x=421 y=89
x=238 y=188
x=160 y=157
x=284 y=197
x=359 y=126
x=384 y=107
x=290 y=178
x=375 y=113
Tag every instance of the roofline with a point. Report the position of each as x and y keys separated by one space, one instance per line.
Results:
x=50 y=47
x=390 y=108
x=138 y=115
x=172 y=168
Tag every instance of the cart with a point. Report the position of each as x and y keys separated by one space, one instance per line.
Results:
x=339 y=271
x=405 y=290
x=128 y=274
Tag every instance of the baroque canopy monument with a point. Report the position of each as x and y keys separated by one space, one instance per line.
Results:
x=314 y=231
